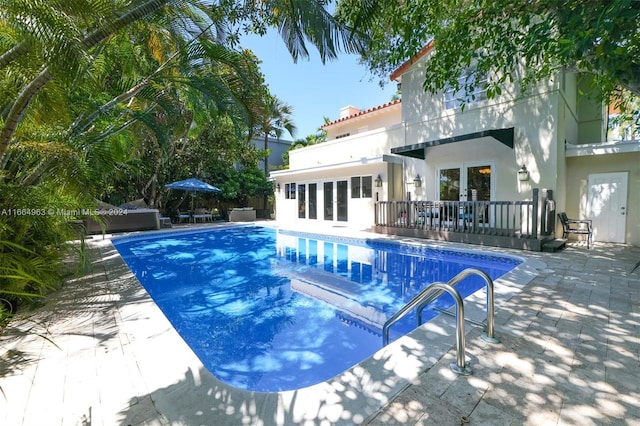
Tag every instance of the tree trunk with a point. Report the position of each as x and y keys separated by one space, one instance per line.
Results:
x=266 y=157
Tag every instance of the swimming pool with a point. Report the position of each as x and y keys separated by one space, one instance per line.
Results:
x=272 y=311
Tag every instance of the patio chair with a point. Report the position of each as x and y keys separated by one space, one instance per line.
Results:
x=216 y=215
x=184 y=216
x=202 y=215
x=165 y=222
x=576 y=226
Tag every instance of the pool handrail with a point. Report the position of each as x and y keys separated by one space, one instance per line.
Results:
x=459 y=366
x=489 y=334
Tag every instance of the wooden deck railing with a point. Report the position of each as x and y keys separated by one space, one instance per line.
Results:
x=481 y=222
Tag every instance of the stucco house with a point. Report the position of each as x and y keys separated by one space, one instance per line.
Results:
x=516 y=147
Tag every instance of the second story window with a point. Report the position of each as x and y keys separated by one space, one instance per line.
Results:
x=623 y=126
x=471 y=89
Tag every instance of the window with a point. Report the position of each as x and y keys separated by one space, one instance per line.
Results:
x=623 y=126
x=342 y=135
x=361 y=186
x=290 y=191
x=355 y=187
x=367 y=187
x=470 y=90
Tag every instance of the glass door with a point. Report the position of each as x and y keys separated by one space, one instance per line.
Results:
x=302 y=200
x=343 y=200
x=449 y=184
x=328 y=200
x=466 y=183
x=336 y=200
x=478 y=183
x=313 y=196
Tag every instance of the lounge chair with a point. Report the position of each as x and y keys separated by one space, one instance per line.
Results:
x=576 y=226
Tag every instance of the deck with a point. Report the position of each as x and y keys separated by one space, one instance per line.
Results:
x=526 y=225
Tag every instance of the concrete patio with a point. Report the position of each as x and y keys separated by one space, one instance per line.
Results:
x=99 y=352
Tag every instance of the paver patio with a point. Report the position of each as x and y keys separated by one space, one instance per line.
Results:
x=97 y=353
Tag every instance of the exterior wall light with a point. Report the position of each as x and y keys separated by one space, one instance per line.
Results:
x=378 y=181
x=278 y=187
x=417 y=181
x=523 y=174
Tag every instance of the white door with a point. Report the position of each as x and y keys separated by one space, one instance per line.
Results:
x=607 y=206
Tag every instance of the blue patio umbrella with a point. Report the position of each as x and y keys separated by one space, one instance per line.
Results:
x=193 y=185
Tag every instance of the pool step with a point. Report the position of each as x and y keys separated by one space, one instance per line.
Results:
x=554 y=245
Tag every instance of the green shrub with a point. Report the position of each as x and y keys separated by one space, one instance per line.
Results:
x=35 y=237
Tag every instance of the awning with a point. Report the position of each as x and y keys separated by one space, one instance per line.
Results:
x=336 y=166
x=504 y=136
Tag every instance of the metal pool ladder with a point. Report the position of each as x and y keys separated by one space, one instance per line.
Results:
x=435 y=290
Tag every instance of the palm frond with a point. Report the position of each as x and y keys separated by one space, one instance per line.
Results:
x=301 y=20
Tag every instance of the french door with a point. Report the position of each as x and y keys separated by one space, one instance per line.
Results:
x=336 y=201
x=468 y=182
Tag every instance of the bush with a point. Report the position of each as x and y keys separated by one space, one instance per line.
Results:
x=34 y=238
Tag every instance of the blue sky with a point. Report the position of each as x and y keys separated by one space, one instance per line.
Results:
x=315 y=90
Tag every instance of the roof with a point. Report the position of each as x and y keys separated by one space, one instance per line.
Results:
x=426 y=49
x=361 y=113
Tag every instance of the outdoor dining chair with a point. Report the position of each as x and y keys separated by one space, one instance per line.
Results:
x=576 y=226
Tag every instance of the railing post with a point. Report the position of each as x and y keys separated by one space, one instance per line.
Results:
x=547 y=217
x=534 y=231
x=375 y=213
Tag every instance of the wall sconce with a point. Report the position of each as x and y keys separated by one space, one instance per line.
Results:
x=523 y=174
x=378 y=181
x=278 y=187
x=417 y=181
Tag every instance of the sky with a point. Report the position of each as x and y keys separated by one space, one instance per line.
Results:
x=315 y=90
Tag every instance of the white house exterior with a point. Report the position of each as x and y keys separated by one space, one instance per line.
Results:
x=470 y=153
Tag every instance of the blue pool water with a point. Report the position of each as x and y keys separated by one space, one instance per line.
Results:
x=272 y=311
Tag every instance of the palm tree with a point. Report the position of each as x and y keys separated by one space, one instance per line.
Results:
x=277 y=117
x=60 y=43
x=86 y=85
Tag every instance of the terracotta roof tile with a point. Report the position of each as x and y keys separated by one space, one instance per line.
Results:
x=426 y=49
x=361 y=113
